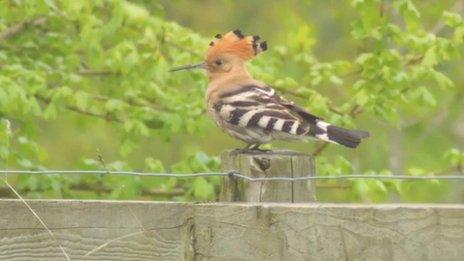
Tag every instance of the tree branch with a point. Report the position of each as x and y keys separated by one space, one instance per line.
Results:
x=5 y=192
x=78 y=110
x=155 y=124
x=20 y=27
x=144 y=192
x=135 y=103
x=144 y=103
x=89 y=72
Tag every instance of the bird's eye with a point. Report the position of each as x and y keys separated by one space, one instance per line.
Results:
x=218 y=62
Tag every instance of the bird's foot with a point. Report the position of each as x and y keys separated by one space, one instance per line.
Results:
x=242 y=150
x=253 y=148
x=260 y=150
x=257 y=149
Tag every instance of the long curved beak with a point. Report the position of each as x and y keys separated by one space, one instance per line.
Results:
x=188 y=67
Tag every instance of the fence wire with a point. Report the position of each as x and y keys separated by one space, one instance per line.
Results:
x=232 y=174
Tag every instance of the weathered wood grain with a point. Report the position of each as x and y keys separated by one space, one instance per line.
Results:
x=125 y=230
x=267 y=164
x=139 y=230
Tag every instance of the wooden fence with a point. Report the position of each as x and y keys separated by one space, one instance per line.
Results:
x=137 y=230
x=130 y=230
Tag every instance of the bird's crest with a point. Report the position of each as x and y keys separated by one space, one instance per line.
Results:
x=234 y=42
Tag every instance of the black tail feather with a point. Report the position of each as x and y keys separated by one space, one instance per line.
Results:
x=348 y=138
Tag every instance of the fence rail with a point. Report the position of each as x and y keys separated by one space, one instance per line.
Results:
x=136 y=230
x=231 y=174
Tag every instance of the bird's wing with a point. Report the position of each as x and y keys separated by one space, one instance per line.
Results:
x=310 y=118
x=253 y=106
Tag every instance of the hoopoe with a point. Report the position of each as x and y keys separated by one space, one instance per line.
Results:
x=252 y=111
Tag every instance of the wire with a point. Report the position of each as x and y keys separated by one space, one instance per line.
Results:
x=355 y=176
x=232 y=174
x=110 y=172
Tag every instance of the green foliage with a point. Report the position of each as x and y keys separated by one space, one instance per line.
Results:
x=77 y=64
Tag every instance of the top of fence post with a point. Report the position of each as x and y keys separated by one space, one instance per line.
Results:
x=267 y=164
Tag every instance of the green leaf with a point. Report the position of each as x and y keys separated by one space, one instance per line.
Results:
x=50 y=112
x=416 y=172
x=202 y=189
x=452 y=19
x=430 y=57
x=82 y=100
x=454 y=157
x=154 y=165
x=410 y=14
x=458 y=36
x=114 y=105
x=442 y=80
x=424 y=96
x=361 y=187
x=361 y=98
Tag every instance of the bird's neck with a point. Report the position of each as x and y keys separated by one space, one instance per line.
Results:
x=223 y=82
x=230 y=78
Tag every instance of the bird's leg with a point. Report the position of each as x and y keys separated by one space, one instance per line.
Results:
x=252 y=147
x=255 y=147
x=246 y=148
x=249 y=146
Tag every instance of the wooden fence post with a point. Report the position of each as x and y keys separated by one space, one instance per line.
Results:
x=267 y=164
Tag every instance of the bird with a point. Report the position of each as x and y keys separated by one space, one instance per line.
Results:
x=252 y=111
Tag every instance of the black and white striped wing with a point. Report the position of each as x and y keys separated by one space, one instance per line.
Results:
x=259 y=107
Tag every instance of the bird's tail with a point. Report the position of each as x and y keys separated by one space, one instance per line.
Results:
x=338 y=135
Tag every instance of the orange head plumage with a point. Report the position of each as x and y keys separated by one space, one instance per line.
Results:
x=235 y=43
x=228 y=52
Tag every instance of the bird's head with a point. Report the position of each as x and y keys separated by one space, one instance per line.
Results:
x=228 y=53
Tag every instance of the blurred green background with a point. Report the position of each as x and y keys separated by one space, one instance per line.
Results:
x=85 y=85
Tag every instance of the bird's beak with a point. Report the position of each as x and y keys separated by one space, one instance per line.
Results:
x=188 y=67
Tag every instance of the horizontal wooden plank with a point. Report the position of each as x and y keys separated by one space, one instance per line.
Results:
x=135 y=230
